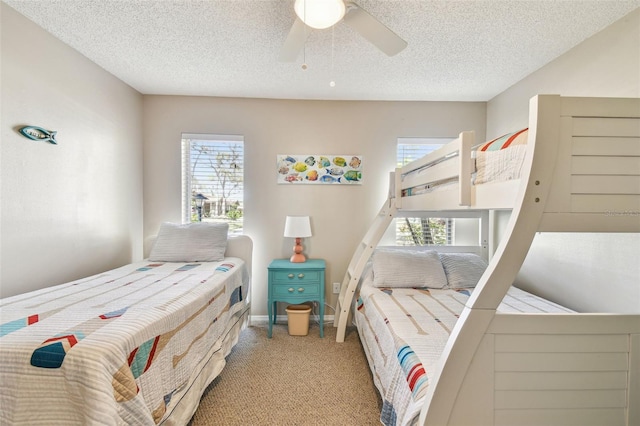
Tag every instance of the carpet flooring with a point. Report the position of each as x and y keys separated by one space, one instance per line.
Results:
x=292 y=380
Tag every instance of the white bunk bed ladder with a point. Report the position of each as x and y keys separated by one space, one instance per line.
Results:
x=360 y=259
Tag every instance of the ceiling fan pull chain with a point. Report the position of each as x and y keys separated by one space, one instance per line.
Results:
x=304 y=47
x=332 y=83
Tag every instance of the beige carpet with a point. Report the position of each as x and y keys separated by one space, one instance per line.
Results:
x=292 y=380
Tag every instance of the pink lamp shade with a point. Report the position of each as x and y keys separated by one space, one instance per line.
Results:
x=297 y=227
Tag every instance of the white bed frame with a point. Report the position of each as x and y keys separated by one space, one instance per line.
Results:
x=582 y=163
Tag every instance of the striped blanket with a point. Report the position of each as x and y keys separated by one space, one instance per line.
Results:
x=404 y=331
x=122 y=347
x=501 y=159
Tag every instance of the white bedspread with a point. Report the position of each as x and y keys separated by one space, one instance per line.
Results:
x=404 y=331
x=122 y=347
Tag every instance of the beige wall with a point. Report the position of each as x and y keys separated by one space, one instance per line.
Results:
x=77 y=208
x=605 y=65
x=340 y=215
x=72 y=209
x=592 y=272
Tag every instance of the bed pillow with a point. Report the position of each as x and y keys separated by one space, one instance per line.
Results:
x=407 y=268
x=501 y=159
x=505 y=141
x=190 y=242
x=463 y=270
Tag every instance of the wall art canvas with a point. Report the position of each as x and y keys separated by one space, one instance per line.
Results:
x=319 y=169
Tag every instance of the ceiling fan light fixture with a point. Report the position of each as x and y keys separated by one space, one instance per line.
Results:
x=320 y=14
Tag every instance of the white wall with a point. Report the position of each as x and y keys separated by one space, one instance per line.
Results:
x=72 y=209
x=592 y=272
x=340 y=215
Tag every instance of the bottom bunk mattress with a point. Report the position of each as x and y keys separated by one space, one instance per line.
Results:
x=404 y=332
x=134 y=345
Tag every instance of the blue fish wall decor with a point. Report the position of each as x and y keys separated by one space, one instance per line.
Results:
x=319 y=169
x=39 y=134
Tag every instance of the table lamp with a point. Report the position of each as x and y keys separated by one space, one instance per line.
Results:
x=297 y=227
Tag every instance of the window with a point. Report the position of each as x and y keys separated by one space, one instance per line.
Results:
x=213 y=166
x=419 y=231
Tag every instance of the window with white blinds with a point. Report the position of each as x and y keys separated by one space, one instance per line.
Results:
x=410 y=149
x=420 y=231
x=213 y=166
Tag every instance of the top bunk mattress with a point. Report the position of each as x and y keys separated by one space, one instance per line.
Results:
x=498 y=160
x=120 y=347
x=404 y=332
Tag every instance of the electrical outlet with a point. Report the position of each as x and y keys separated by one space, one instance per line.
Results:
x=336 y=288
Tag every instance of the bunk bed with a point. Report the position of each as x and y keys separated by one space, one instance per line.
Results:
x=134 y=345
x=494 y=365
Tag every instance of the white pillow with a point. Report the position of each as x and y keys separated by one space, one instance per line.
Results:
x=463 y=269
x=407 y=268
x=190 y=242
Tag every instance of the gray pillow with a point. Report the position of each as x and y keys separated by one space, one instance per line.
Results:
x=463 y=269
x=407 y=268
x=190 y=242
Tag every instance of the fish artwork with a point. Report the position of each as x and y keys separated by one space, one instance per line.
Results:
x=319 y=169
x=355 y=162
x=323 y=162
x=329 y=179
x=353 y=175
x=283 y=170
x=292 y=178
x=339 y=161
x=39 y=134
x=335 y=171
x=300 y=167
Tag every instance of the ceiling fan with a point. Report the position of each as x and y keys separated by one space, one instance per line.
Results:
x=322 y=14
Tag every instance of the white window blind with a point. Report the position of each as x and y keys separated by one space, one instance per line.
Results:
x=213 y=165
x=418 y=231
x=410 y=149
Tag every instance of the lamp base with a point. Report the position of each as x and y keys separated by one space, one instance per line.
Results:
x=298 y=258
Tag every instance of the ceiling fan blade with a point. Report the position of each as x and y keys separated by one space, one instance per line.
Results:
x=295 y=41
x=373 y=30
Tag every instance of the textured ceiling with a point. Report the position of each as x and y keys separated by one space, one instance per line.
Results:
x=457 y=50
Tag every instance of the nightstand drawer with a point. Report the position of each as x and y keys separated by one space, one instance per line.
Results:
x=295 y=276
x=296 y=289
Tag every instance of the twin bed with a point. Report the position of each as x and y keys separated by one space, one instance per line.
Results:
x=450 y=340
x=135 y=345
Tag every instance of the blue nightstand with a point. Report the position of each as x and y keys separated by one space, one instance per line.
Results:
x=295 y=283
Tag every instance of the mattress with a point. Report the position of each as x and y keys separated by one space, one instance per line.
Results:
x=404 y=331
x=122 y=347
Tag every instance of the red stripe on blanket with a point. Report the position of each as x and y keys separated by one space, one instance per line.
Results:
x=32 y=319
x=513 y=137
x=416 y=372
x=488 y=144
x=132 y=356
x=152 y=353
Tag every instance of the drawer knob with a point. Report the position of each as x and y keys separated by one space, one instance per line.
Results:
x=290 y=275
x=301 y=289
x=300 y=275
x=291 y=290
